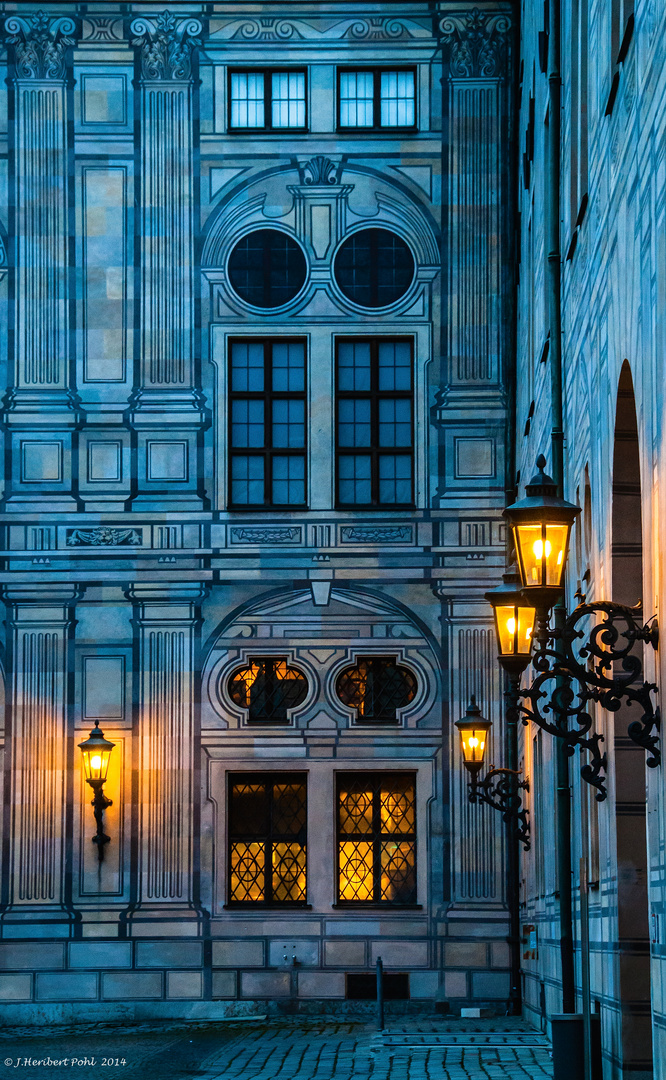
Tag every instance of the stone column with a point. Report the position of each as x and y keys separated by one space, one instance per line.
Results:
x=40 y=618
x=40 y=396
x=167 y=392
x=167 y=623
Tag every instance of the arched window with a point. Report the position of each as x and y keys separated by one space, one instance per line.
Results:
x=268 y=688
x=374 y=268
x=267 y=268
x=376 y=687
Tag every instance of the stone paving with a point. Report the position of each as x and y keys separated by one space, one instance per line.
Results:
x=280 y=1049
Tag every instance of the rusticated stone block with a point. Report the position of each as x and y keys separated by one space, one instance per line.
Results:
x=465 y=954
x=265 y=984
x=321 y=984
x=132 y=984
x=224 y=984
x=66 y=986
x=345 y=953
x=238 y=954
x=15 y=987
x=169 y=954
x=100 y=954
x=184 y=984
x=490 y=984
x=398 y=954
x=29 y=954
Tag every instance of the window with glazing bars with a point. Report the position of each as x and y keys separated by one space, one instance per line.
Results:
x=268 y=688
x=376 y=98
x=267 y=100
x=374 y=422
x=267 y=431
x=267 y=838
x=377 y=687
x=376 y=838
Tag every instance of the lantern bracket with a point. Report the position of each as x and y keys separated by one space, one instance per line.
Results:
x=499 y=789
x=99 y=805
x=590 y=666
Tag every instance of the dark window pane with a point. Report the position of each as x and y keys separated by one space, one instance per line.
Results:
x=288 y=480
x=267 y=839
x=268 y=688
x=374 y=268
x=247 y=423
x=376 y=687
x=395 y=365
x=395 y=422
x=354 y=372
x=355 y=485
x=354 y=423
x=247 y=366
x=247 y=480
x=395 y=478
x=267 y=268
x=288 y=422
x=289 y=367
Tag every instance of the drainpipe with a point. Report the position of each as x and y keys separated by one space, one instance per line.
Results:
x=553 y=272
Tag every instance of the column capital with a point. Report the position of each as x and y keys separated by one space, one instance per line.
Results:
x=477 y=43
x=166 y=44
x=40 y=43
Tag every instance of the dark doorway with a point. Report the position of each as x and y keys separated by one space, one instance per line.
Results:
x=633 y=943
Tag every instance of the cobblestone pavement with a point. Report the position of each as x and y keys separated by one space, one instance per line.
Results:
x=280 y=1049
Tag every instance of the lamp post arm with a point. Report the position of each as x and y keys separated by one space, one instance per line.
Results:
x=99 y=804
x=500 y=789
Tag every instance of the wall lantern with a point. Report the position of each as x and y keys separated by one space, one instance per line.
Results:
x=514 y=622
x=473 y=730
x=499 y=787
x=541 y=524
x=96 y=752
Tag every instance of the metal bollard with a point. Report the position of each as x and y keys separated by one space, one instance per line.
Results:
x=380 y=993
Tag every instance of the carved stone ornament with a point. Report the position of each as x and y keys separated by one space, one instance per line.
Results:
x=106 y=537
x=478 y=43
x=318 y=170
x=268 y=535
x=378 y=534
x=40 y=44
x=166 y=46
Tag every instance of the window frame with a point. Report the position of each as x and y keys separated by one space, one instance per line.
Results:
x=376 y=70
x=267 y=73
x=375 y=395
x=266 y=778
x=267 y=395
x=374 y=779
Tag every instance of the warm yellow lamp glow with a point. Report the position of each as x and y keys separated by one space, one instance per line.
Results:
x=473 y=728
x=96 y=752
x=514 y=622
x=541 y=524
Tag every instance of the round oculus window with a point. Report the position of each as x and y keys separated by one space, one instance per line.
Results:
x=267 y=268
x=374 y=268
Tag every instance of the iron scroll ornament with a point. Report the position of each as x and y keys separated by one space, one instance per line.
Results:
x=604 y=670
x=500 y=789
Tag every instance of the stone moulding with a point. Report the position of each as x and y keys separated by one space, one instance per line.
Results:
x=40 y=44
x=166 y=45
x=103 y=537
x=265 y=536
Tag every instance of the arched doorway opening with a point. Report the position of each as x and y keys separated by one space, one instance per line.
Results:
x=633 y=943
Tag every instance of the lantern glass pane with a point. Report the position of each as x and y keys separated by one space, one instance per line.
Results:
x=555 y=552
x=529 y=545
x=506 y=616
x=525 y=627
x=473 y=742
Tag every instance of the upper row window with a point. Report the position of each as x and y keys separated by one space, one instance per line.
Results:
x=368 y=98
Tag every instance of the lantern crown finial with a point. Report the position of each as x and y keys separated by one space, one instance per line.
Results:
x=541 y=483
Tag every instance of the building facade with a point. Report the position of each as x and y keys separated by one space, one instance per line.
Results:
x=610 y=208
x=257 y=328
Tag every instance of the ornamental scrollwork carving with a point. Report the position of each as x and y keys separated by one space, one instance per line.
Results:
x=40 y=43
x=267 y=29
x=104 y=537
x=318 y=170
x=377 y=29
x=265 y=536
x=166 y=46
x=477 y=43
x=386 y=534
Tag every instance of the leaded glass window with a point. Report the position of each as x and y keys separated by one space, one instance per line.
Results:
x=376 y=98
x=267 y=100
x=376 y=838
x=268 y=688
x=377 y=687
x=267 y=838
x=374 y=430
x=267 y=423
x=374 y=268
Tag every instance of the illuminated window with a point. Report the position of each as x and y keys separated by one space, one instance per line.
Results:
x=267 y=100
x=376 y=838
x=376 y=687
x=376 y=98
x=267 y=423
x=267 y=839
x=268 y=688
x=374 y=422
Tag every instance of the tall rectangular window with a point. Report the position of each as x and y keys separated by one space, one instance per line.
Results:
x=377 y=98
x=376 y=838
x=267 y=838
x=374 y=422
x=267 y=423
x=267 y=100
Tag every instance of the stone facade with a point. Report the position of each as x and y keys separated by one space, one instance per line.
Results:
x=133 y=590
x=612 y=273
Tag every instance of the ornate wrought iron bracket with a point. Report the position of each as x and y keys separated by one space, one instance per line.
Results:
x=499 y=789
x=587 y=667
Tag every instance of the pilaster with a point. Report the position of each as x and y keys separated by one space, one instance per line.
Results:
x=167 y=621
x=41 y=395
x=38 y=904
x=167 y=392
